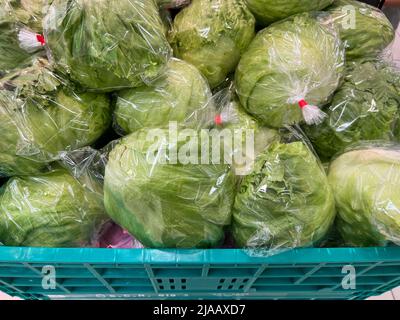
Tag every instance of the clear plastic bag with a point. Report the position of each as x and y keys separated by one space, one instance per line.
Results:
x=365 y=29
x=286 y=201
x=290 y=69
x=366 y=182
x=269 y=11
x=366 y=107
x=107 y=45
x=172 y=4
x=212 y=35
x=181 y=95
x=41 y=115
x=54 y=209
x=17 y=16
x=164 y=201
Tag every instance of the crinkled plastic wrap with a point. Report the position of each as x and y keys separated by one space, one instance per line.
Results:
x=181 y=95
x=212 y=35
x=268 y=11
x=366 y=182
x=42 y=115
x=55 y=209
x=163 y=201
x=365 y=29
x=107 y=45
x=285 y=202
x=290 y=69
x=16 y=15
x=366 y=107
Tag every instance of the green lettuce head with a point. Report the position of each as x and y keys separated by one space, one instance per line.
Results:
x=107 y=45
x=167 y=205
x=366 y=183
x=212 y=35
x=41 y=115
x=50 y=210
x=366 y=107
x=300 y=59
x=181 y=95
x=16 y=15
x=370 y=33
x=286 y=202
x=268 y=11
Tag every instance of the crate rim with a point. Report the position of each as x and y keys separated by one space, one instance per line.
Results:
x=191 y=256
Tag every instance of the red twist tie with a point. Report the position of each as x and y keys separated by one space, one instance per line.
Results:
x=40 y=39
x=303 y=103
x=218 y=120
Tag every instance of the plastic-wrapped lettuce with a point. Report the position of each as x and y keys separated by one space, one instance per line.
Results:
x=107 y=45
x=171 y=4
x=41 y=115
x=366 y=183
x=365 y=29
x=16 y=15
x=181 y=95
x=164 y=201
x=289 y=69
x=366 y=107
x=285 y=202
x=268 y=11
x=212 y=35
x=49 y=210
x=255 y=137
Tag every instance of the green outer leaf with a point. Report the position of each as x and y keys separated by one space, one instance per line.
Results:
x=366 y=184
x=268 y=11
x=167 y=206
x=52 y=210
x=212 y=35
x=286 y=202
x=107 y=45
x=301 y=57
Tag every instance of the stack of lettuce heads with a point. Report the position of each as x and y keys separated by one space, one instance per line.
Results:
x=163 y=204
x=41 y=115
x=49 y=210
x=107 y=45
x=366 y=107
x=301 y=57
x=366 y=183
x=365 y=29
x=212 y=35
x=268 y=11
x=181 y=95
x=285 y=202
x=15 y=15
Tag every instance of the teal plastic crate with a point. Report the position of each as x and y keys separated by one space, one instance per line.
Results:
x=197 y=274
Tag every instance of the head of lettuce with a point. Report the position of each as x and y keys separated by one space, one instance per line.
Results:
x=269 y=11
x=107 y=45
x=290 y=69
x=50 y=210
x=366 y=182
x=166 y=202
x=42 y=115
x=212 y=35
x=285 y=202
